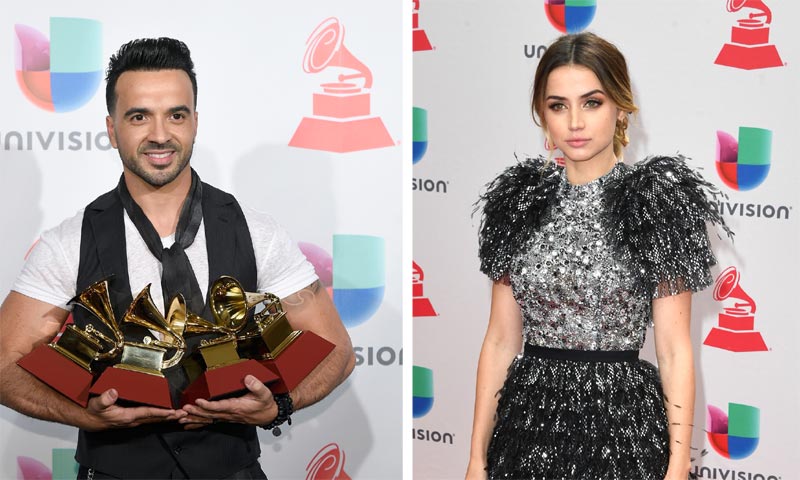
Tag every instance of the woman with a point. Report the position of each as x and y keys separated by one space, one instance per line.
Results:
x=583 y=259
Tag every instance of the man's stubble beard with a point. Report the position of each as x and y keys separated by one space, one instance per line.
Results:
x=156 y=180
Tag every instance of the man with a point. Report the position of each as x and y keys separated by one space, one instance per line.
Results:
x=160 y=217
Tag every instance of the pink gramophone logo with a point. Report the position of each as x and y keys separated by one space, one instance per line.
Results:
x=749 y=47
x=419 y=39
x=421 y=306
x=341 y=120
x=327 y=464
x=736 y=325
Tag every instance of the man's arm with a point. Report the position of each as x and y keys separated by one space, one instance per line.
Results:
x=26 y=323
x=310 y=309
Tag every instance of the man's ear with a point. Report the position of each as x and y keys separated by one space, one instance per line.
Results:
x=110 y=130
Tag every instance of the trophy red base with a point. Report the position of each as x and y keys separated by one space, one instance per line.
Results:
x=59 y=372
x=297 y=360
x=135 y=387
x=225 y=381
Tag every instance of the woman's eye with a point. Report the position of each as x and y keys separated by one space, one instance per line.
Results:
x=593 y=103
x=556 y=106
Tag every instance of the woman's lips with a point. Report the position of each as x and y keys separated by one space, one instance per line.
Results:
x=577 y=142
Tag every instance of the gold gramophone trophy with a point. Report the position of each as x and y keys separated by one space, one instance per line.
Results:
x=290 y=354
x=138 y=376
x=65 y=364
x=216 y=370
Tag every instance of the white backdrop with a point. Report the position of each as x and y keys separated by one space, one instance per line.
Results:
x=253 y=93
x=474 y=83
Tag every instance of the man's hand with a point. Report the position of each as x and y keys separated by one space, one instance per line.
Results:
x=26 y=323
x=256 y=407
x=104 y=413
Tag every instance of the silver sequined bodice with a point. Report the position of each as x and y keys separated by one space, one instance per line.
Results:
x=573 y=291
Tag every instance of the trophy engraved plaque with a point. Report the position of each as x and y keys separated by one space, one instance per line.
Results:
x=219 y=371
x=138 y=377
x=65 y=364
x=290 y=354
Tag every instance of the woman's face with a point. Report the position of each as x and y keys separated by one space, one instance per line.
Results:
x=579 y=116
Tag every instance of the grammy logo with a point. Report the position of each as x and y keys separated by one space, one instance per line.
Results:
x=342 y=120
x=736 y=324
x=749 y=47
x=419 y=39
x=421 y=305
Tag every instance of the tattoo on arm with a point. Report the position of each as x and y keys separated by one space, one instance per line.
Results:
x=303 y=295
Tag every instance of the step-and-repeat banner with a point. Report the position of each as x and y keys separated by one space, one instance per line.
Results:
x=715 y=81
x=299 y=116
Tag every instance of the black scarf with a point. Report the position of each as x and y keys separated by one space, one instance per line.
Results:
x=177 y=275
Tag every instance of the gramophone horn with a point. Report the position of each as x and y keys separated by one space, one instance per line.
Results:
x=735 y=5
x=727 y=286
x=230 y=303
x=144 y=313
x=326 y=48
x=96 y=299
x=189 y=321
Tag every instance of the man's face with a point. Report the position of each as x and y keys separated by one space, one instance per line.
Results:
x=153 y=124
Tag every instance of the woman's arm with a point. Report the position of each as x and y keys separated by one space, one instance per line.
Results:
x=671 y=316
x=503 y=341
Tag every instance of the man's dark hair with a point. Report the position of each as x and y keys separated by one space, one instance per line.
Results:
x=148 y=54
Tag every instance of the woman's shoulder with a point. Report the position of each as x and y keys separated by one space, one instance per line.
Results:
x=519 y=182
x=528 y=171
x=662 y=178
x=660 y=210
x=512 y=207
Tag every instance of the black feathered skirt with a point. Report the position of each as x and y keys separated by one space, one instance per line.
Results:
x=566 y=414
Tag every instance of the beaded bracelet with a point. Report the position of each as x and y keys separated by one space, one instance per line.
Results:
x=285 y=410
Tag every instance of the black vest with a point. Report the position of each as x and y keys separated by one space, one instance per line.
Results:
x=156 y=450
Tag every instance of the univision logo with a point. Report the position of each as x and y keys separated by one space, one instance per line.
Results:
x=354 y=275
x=570 y=16
x=420 y=134
x=63 y=73
x=422 y=390
x=62 y=460
x=734 y=435
x=743 y=164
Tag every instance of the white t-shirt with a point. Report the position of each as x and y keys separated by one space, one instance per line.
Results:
x=51 y=270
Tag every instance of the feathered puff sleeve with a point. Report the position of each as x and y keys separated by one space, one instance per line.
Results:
x=513 y=206
x=658 y=215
